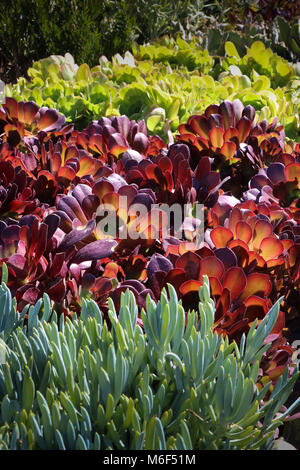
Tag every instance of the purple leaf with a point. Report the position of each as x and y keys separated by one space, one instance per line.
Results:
x=94 y=251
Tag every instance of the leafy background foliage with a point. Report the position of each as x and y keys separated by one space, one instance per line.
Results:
x=89 y=28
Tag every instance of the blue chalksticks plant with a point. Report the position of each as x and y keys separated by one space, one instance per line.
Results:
x=170 y=384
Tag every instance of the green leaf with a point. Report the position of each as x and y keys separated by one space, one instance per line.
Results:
x=84 y=73
x=4 y=278
x=28 y=390
x=231 y=50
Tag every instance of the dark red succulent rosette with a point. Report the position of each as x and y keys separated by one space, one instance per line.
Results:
x=236 y=144
x=22 y=122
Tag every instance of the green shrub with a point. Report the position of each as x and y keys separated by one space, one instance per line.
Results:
x=174 y=385
x=31 y=29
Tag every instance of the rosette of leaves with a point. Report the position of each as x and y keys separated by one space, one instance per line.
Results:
x=237 y=143
x=282 y=103
x=173 y=385
x=16 y=197
x=261 y=59
x=176 y=51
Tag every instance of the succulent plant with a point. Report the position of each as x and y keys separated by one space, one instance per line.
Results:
x=76 y=385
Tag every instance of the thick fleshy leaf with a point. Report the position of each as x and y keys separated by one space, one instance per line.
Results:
x=223 y=304
x=235 y=281
x=41 y=242
x=102 y=187
x=97 y=250
x=220 y=236
x=165 y=164
x=256 y=308
x=237 y=111
x=11 y=105
x=271 y=263
x=90 y=205
x=216 y=288
x=71 y=207
x=190 y=286
x=87 y=166
x=249 y=112
x=117 y=144
x=112 y=199
x=31 y=295
x=183 y=247
x=257 y=284
x=52 y=221
x=66 y=173
x=212 y=109
x=243 y=126
x=200 y=126
x=50 y=120
x=226 y=110
x=111 y=270
x=7 y=172
x=203 y=168
x=77 y=235
x=57 y=291
x=57 y=265
x=292 y=172
x=18 y=263
x=81 y=191
x=271 y=248
x=158 y=263
x=176 y=277
x=216 y=120
x=227 y=257
x=231 y=135
x=280 y=324
x=262 y=229
x=212 y=267
x=216 y=137
x=190 y=263
x=243 y=231
x=201 y=144
x=228 y=149
x=97 y=144
x=259 y=261
x=140 y=142
x=27 y=112
x=276 y=172
x=234 y=217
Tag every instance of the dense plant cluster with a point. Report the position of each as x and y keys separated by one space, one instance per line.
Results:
x=164 y=83
x=174 y=386
x=244 y=171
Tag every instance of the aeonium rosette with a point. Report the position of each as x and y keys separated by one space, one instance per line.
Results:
x=22 y=121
